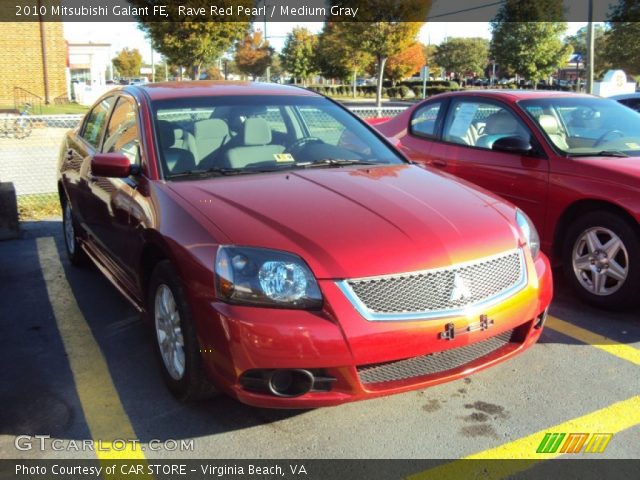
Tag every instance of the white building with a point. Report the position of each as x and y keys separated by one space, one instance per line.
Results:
x=89 y=70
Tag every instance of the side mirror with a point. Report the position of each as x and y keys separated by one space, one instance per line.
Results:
x=513 y=144
x=114 y=165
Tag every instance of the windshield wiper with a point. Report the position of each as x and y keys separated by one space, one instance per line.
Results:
x=216 y=171
x=335 y=162
x=602 y=153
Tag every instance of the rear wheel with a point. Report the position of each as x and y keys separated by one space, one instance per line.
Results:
x=75 y=254
x=601 y=259
x=175 y=342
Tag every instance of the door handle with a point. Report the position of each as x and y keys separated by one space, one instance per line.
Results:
x=439 y=162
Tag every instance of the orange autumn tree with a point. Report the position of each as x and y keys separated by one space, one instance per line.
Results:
x=406 y=63
x=253 y=54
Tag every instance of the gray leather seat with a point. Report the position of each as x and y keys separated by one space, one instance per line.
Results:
x=255 y=146
x=499 y=125
x=173 y=136
x=209 y=136
x=552 y=128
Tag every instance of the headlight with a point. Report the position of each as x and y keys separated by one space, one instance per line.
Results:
x=529 y=232
x=257 y=276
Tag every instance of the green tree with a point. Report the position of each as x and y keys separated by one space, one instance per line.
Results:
x=526 y=40
x=579 y=44
x=191 y=42
x=336 y=58
x=298 y=56
x=463 y=55
x=253 y=54
x=622 y=45
x=128 y=62
x=429 y=52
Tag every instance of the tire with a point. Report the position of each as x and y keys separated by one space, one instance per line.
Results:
x=70 y=231
x=175 y=340
x=594 y=238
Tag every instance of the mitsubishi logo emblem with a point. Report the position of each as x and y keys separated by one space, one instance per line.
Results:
x=460 y=289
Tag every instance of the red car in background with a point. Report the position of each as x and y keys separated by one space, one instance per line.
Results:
x=285 y=253
x=571 y=162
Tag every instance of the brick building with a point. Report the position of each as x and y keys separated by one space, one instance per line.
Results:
x=21 y=60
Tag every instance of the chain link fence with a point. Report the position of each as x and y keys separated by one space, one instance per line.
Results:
x=29 y=149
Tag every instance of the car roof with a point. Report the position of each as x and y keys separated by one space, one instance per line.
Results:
x=515 y=95
x=625 y=96
x=206 y=88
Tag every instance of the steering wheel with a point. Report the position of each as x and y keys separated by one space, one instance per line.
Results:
x=604 y=136
x=302 y=142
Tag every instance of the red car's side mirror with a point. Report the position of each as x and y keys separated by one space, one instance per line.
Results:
x=115 y=165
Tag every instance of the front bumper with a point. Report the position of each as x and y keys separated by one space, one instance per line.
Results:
x=340 y=344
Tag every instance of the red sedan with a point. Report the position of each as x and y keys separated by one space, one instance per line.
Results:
x=283 y=252
x=571 y=162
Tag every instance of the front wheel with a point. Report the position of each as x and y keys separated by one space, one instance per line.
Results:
x=75 y=254
x=601 y=259
x=176 y=344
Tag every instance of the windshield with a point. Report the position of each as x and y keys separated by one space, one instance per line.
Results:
x=581 y=126
x=250 y=134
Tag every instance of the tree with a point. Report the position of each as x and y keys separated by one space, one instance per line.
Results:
x=526 y=40
x=191 y=42
x=622 y=46
x=429 y=52
x=579 y=44
x=336 y=58
x=463 y=56
x=253 y=54
x=298 y=53
x=128 y=62
x=405 y=63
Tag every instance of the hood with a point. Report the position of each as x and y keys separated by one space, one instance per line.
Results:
x=354 y=222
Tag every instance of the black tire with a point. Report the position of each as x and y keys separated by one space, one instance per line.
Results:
x=623 y=293
x=72 y=239
x=192 y=384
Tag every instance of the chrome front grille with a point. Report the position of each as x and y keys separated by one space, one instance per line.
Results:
x=432 y=363
x=438 y=292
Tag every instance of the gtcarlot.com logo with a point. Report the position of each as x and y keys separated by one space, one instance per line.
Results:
x=573 y=442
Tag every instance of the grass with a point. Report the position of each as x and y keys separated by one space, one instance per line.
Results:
x=39 y=206
x=68 y=108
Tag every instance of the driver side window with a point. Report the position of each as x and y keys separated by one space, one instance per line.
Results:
x=480 y=124
x=122 y=133
x=322 y=125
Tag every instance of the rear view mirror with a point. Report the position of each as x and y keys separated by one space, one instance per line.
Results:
x=513 y=144
x=114 y=165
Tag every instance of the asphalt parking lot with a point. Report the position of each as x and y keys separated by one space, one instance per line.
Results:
x=78 y=365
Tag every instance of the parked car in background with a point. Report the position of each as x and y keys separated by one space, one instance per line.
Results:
x=571 y=162
x=286 y=254
x=631 y=100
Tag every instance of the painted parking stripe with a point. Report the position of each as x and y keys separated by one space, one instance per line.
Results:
x=612 y=419
x=626 y=352
x=103 y=411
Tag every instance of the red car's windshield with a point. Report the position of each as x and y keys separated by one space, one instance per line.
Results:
x=582 y=126
x=246 y=134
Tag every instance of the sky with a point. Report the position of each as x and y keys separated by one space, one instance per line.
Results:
x=121 y=35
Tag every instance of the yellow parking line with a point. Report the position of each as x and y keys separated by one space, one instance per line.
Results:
x=612 y=419
x=626 y=352
x=103 y=411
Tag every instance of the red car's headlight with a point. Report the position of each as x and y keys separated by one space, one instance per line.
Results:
x=529 y=232
x=263 y=277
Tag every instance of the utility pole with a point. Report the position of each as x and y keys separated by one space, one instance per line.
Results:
x=590 y=49
x=43 y=47
x=268 y=73
x=153 y=67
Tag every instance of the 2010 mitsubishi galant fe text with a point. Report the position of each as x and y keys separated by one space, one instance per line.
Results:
x=286 y=254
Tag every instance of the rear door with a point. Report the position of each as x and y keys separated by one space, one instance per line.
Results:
x=471 y=126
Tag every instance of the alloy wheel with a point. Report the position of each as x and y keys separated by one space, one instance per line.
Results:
x=169 y=332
